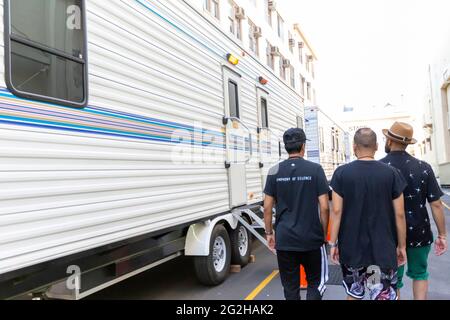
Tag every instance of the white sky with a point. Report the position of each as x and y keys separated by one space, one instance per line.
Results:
x=372 y=52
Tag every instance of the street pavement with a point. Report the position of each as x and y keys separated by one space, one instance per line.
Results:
x=259 y=281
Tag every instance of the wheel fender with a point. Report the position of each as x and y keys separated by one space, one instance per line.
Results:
x=199 y=235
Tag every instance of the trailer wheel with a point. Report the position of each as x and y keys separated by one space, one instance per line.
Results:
x=241 y=245
x=214 y=269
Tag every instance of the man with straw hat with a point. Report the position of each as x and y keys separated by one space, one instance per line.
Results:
x=422 y=187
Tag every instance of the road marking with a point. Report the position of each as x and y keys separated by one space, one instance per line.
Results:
x=446 y=205
x=262 y=285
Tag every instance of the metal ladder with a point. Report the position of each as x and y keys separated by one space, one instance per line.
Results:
x=252 y=228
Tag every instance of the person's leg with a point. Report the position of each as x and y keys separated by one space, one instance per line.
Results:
x=316 y=268
x=418 y=271
x=354 y=282
x=289 y=265
x=420 y=289
x=401 y=274
x=387 y=288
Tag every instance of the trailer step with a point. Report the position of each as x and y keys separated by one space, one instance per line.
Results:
x=252 y=228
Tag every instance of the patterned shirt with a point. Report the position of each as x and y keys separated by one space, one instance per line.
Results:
x=422 y=187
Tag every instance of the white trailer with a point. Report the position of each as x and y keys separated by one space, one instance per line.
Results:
x=329 y=143
x=127 y=139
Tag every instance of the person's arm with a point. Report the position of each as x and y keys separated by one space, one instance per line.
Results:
x=336 y=216
x=324 y=212
x=400 y=219
x=437 y=209
x=323 y=190
x=269 y=202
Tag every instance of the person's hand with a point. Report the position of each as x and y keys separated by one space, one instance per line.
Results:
x=271 y=241
x=334 y=254
x=440 y=246
x=401 y=256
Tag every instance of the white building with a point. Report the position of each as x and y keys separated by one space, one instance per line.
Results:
x=436 y=120
x=378 y=118
x=263 y=29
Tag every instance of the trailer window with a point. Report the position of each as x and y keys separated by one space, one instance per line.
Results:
x=46 y=50
x=264 y=113
x=233 y=98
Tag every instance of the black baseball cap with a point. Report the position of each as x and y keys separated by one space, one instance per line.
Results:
x=294 y=135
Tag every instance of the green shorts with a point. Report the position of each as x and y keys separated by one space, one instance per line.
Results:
x=417 y=265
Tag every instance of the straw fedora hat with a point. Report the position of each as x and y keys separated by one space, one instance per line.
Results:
x=400 y=132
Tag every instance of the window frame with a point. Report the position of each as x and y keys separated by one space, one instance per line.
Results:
x=264 y=112
x=9 y=38
x=280 y=27
x=237 y=101
x=252 y=38
x=212 y=7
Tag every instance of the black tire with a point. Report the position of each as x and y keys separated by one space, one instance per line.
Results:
x=205 y=268
x=238 y=256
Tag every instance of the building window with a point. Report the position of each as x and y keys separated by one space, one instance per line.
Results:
x=308 y=91
x=233 y=98
x=321 y=137
x=253 y=38
x=282 y=68
x=291 y=42
x=302 y=85
x=280 y=27
x=300 y=52
x=430 y=146
x=235 y=23
x=333 y=140
x=268 y=9
x=212 y=6
x=270 y=56
x=46 y=57
x=292 y=75
x=264 y=113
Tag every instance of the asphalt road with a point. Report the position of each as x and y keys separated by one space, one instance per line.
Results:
x=176 y=280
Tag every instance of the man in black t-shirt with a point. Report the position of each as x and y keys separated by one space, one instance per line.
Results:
x=298 y=187
x=422 y=188
x=368 y=227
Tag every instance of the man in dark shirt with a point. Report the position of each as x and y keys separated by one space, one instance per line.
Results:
x=368 y=220
x=422 y=187
x=298 y=187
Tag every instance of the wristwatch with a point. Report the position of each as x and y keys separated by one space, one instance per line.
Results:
x=269 y=233
x=333 y=245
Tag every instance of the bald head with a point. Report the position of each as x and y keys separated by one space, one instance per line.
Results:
x=366 y=138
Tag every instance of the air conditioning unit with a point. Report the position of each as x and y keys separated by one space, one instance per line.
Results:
x=310 y=57
x=272 y=5
x=301 y=45
x=275 y=51
x=291 y=43
x=257 y=32
x=286 y=63
x=240 y=13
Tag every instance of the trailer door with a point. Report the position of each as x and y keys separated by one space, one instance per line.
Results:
x=238 y=140
x=264 y=135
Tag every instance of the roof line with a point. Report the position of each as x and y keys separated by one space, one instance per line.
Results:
x=297 y=28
